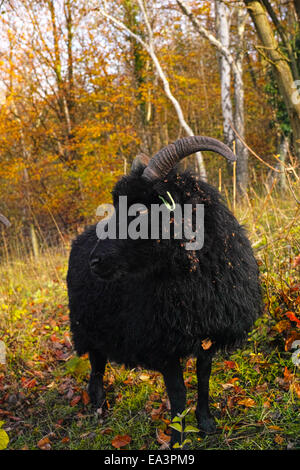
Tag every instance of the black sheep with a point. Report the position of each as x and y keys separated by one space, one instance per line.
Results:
x=152 y=302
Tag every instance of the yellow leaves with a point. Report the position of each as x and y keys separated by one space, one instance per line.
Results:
x=4 y=439
x=248 y=402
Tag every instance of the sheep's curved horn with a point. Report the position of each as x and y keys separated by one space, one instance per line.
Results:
x=162 y=163
x=4 y=220
x=140 y=162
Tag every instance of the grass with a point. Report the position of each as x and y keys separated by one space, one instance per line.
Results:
x=254 y=391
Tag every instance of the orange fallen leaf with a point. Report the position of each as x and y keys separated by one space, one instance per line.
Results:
x=44 y=444
x=65 y=440
x=287 y=375
x=75 y=400
x=296 y=261
x=295 y=387
x=278 y=439
x=230 y=364
x=85 y=397
x=120 y=441
x=28 y=383
x=156 y=413
x=206 y=344
x=292 y=317
x=282 y=325
x=248 y=402
x=162 y=438
x=274 y=428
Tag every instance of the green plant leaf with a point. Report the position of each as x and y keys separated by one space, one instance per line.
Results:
x=184 y=413
x=190 y=429
x=177 y=419
x=186 y=441
x=176 y=426
x=177 y=445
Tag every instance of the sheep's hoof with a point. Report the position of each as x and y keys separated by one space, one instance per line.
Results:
x=206 y=425
x=97 y=396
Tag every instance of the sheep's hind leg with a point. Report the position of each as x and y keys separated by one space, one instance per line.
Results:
x=206 y=422
x=173 y=378
x=95 y=388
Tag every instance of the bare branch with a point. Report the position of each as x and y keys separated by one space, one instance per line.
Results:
x=149 y=47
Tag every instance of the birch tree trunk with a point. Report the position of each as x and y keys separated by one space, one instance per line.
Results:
x=236 y=64
x=223 y=35
x=239 y=115
x=149 y=47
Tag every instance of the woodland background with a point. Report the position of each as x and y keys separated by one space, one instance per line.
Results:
x=80 y=97
x=84 y=87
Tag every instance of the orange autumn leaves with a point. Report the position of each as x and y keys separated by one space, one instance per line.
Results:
x=287 y=316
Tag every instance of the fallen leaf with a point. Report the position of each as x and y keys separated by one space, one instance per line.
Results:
x=282 y=325
x=4 y=439
x=156 y=413
x=44 y=444
x=296 y=261
x=163 y=439
x=120 y=441
x=227 y=386
x=75 y=400
x=287 y=375
x=295 y=387
x=292 y=317
x=85 y=397
x=274 y=428
x=278 y=439
x=230 y=364
x=106 y=431
x=206 y=344
x=289 y=341
x=28 y=383
x=65 y=440
x=248 y=402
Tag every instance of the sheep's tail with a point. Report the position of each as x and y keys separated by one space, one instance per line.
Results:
x=162 y=163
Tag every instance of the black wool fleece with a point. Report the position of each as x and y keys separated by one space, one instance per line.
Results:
x=162 y=300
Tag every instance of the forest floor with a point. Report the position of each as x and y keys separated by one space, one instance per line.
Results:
x=255 y=392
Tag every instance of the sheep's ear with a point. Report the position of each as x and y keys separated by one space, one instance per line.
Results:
x=139 y=163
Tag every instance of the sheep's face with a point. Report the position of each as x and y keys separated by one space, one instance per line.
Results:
x=124 y=252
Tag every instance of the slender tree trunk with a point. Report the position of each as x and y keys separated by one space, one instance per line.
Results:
x=239 y=115
x=282 y=70
x=223 y=35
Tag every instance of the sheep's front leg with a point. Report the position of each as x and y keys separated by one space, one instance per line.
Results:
x=174 y=382
x=206 y=422
x=95 y=388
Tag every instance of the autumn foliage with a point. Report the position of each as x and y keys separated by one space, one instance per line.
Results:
x=79 y=100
